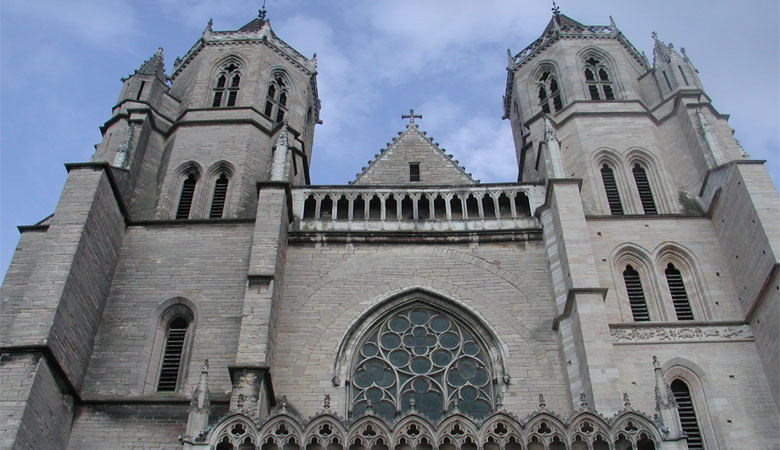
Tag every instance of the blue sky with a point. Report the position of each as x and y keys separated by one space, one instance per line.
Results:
x=61 y=64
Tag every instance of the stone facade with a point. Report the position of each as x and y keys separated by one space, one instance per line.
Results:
x=431 y=313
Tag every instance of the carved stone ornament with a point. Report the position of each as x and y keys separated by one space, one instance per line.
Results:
x=682 y=334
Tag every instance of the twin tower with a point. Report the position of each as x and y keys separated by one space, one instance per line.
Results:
x=193 y=289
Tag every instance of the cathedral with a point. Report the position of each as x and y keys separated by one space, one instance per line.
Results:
x=193 y=289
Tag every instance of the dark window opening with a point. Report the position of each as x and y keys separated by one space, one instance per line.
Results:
x=326 y=208
x=140 y=90
x=504 y=206
x=231 y=101
x=407 y=208
x=218 y=201
x=309 y=207
x=391 y=208
x=636 y=296
x=643 y=186
x=439 y=208
x=456 y=208
x=598 y=80
x=185 y=198
x=682 y=72
x=488 y=207
x=682 y=307
x=342 y=208
x=687 y=413
x=549 y=93
x=269 y=107
x=414 y=171
x=522 y=205
x=171 y=359
x=666 y=78
x=224 y=95
x=472 y=207
x=423 y=208
x=217 y=99
x=613 y=196
x=375 y=208
x=594 y=92
x=359 y=208
x=276 y=98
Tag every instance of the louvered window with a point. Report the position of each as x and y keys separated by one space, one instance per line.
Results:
x=172 y=355
x=679 y=295
x=643 y=186
x=218 y=201
x=636 y=296
x=225 y=94
x=688 y=420
x=414 y=171
x=185 y=199
x=613 y=196
x=598 y=79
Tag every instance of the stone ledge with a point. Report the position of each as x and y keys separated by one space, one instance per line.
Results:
x=679 y=332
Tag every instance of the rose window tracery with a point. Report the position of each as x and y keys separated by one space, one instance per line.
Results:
x=424 y=359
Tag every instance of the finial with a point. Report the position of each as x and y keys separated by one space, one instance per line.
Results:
x=499 y=401
x=262 y=12
x=411 y=116
x=283 y=403
x=583 y=400
x=626 y=401
x=326 y=401
x=336 y=381
x=412 y=404
x=555 y=9
x=205 y=368
x=369 y=407
x=456 y=406
x=654 y=35
x=507 y=378
x=656 y=364
x=210 y=24
x=542 y=404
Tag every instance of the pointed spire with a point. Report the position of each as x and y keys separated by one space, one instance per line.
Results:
x=626 y=401
x=583 y=401
x=200 y=405
x=261 y=13
x=665 y=405
x=153 y=66
x=279 y=166
x=124 y=148
x=663 y=52
x=542 y=403
x=553 y=149
x=326 y=402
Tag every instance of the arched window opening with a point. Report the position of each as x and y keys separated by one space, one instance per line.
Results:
x=610 y=186
x=522 y=205
x=636 y=295
x=645 y=443
x=687 y=412
x=225 y=94
x=172 y=354
x=236 y=437
x=422 y=355
x=186 y=196
x=504 y=206
x=407 y=208
x=359 y=208
x=276 y=97
x=472 y=207
x=423 y=208
x=309 y=207
x=391 y=208
x=488 y=207
x=456 y=208
x=598 y=80
x=440 y=208
x=643 y=186
x=342 y=208
x=600 y=443
x=622 y=443
x=549 y=92
x=375 y=208
x=682 y=306
x=326 y=208
x=218 y=200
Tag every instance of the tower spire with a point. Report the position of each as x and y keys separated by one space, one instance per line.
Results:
x=261 y=13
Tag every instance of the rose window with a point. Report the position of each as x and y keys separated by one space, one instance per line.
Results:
x=422 y=358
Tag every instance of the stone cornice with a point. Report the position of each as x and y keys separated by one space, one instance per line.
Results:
x=679 y=332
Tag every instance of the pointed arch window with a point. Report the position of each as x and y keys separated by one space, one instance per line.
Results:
x=218 y=199
x=636 y=295
x=682 y=306
x=687 y=413
x=643 y=187
x=598 y=80
x=226 y=87
x=423 y=358
x=276 y=97
x=549 y=92
x=186 y=196
x=170 y=367
x=610 y=186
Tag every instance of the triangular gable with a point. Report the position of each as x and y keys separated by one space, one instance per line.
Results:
x=565 y=22
x=392 y=166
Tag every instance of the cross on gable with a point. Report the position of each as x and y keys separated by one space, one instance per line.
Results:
x=411 y=116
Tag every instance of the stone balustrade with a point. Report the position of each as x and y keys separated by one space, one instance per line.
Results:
x=371 y=208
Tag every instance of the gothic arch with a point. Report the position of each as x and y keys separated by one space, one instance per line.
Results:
x=159 y=319
x=175 y=184
x=277 y=94
x=368 y=431
x=235 y=429
x=420 y=351
x=641 y=261
x=282 y=430
x=413 y=429
x=656 y=172
x=686 y=262
x=535 y=82
x=231 y=68
x=607 y=60
x=324 y=430
x=633 y=427
x=699 y=384
x=210 y=178
x=615 y=161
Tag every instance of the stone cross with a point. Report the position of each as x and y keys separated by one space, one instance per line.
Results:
x=411 y=116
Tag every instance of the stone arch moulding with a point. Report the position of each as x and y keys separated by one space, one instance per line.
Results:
x=640 y=259
x=686 y=262
x=218 y=69
x=157 y=321
x=533 y=84
x=592 y=50
x=235 y=429
x=380 y=310
x=615 y=160
x=211 y=176
x=699 y=384
x=656 y=173
x=175 y=185
x=285 y=73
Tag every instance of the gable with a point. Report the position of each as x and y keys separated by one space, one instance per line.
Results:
x=392 y=166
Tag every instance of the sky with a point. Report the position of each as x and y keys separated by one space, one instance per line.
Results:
x=61 y=64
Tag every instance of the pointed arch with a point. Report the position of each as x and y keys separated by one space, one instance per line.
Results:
x=608 y=167
x=227 y=81
x=279 y=89
x=635 y=283
x=598 y=74
x=657 y=180
x=173 y=328
x=185 y=187
x=685 y=262
x=699 y=386
x=547 y=88
x=218 y=179
x=234 y=431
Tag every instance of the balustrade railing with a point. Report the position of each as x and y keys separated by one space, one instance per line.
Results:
x=508 y=206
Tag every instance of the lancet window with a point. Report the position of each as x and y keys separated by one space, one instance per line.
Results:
x=186 y=196
x=226 y=86
x=610 y=186
x=687 y=412
x=643 y=187
x=424 y=359
x=549 y=92
x=218 y=199
x=598 y=80
x=276 y=97
x=636 y=295
x=682 y=306
x=170 y=366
